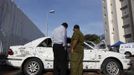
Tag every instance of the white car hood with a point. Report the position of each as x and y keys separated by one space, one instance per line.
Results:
x=111 y=54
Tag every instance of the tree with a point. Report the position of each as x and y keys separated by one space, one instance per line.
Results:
x=92 y=37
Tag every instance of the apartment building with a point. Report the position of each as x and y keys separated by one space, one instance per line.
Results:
x=127 y=8
x=113 y=22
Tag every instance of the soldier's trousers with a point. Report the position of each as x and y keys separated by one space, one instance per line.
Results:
x=76 y=64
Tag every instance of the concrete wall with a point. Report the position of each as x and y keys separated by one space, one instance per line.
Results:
x=107 y=21
x=15 y=27
x=119 y=30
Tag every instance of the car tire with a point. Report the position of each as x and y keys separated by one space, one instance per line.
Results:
x=111 y=67
x=128 y=54
x=32 y=66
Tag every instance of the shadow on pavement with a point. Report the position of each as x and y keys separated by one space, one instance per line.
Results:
x=5 y=69
x=9 y=70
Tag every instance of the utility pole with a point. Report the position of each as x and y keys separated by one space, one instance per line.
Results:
x=51 y=12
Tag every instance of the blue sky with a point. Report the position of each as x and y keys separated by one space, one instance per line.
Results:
x=86 y=13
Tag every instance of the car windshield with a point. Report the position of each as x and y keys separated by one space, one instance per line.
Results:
x=91 y=43
x=88 y=46
x=101 y=45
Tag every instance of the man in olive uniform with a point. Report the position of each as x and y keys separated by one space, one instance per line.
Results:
x=77 y=51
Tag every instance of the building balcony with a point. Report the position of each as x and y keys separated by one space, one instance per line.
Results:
x=124 y=7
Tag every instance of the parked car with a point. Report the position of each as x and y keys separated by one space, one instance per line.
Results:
x=127 y=49
x=37 y=55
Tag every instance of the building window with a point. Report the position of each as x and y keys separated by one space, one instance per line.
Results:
x=105 y=15
x=105 y=23
x=111 y=12
x=103 y=1
x=128 y=36
x=125 y=16
x=125 y=12
x=104 y=7
x=124 y=7
x=111 y=4
x=121 y=0
x=126 y=26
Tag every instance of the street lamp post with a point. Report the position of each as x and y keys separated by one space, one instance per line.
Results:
x=50 y=12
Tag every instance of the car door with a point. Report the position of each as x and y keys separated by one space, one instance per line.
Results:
x=46 y=53
x=89 y=61
x=45 y=49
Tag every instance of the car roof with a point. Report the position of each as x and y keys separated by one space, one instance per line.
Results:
x=36 y=42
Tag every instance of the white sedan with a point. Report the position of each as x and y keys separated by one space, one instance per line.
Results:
x=36 y=56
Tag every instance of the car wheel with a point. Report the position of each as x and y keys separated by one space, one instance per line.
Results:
x=32 y=67
x=128 y=54
x=111 y=67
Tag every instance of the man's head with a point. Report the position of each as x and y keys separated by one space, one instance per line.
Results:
x=65 y=25
x=76 y=27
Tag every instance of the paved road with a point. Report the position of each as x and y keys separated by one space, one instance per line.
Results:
x=6 y=70
x=17 y=72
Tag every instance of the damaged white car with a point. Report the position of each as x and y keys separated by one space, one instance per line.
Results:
x=36 y=56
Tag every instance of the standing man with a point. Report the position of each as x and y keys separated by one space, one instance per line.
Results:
x=1 y=48
x=77 y=51
x=60 y=54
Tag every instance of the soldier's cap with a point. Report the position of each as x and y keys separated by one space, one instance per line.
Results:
x=65 y=24
x=76 y=26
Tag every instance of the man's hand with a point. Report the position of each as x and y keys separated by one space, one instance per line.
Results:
x=72 y=50
x=73 y=45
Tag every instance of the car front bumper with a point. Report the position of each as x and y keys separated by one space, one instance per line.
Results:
x=126 y=64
